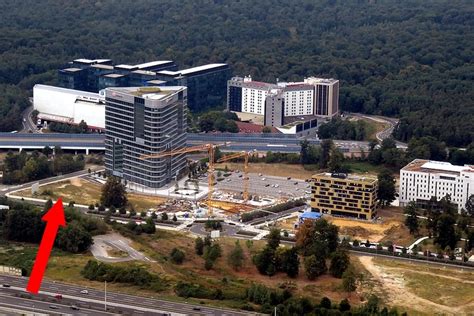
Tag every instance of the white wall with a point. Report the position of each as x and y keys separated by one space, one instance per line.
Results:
x=67 y=103
x=299 y=102
x=253 y=100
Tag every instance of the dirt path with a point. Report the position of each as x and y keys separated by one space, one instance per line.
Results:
x=399 y=295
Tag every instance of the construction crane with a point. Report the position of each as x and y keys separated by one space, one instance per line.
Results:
x=246 y=155
x=210 y=149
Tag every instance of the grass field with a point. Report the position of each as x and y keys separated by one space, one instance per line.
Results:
x=83 y=192
x=421 y=288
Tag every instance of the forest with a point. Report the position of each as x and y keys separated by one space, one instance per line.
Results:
x=408 y=59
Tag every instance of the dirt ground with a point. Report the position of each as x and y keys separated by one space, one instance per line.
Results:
x=391 y=228
x=232 y=207
x=424 y=290
x=89 y=193
x=277 y=169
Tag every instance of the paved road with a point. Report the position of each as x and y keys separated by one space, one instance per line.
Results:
x=128 y=304
x=386 y=133
x=102 y=242
x=28 y=124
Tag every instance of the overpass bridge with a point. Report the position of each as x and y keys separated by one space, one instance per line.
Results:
x=237 y=142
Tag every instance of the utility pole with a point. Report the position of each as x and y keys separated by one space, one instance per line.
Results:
x=105 y=296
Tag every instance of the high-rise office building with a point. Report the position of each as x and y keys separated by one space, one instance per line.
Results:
x=344 y=195
x=144 y=121
x=326 y=96
x=422 y=180
x=207 y=84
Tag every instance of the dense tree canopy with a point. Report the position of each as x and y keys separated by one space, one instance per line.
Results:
x=409 y=60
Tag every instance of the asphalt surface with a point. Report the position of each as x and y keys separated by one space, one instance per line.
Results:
x=262 y=185
x=116 y=302
x=28 y=124
x=102 y=242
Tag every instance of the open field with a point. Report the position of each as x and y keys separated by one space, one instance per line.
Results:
x=420 y=289
x=373 y=127
x=84 y=192
x=274 y=169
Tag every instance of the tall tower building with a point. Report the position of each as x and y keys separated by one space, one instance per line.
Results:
x=145 y=120
x=326 y=96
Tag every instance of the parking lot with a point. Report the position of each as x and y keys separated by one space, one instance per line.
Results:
x=263 y=185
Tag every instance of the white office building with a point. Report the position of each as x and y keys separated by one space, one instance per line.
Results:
x=421 y=180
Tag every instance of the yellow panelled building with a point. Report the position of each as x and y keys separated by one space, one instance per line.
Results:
x=341 y=194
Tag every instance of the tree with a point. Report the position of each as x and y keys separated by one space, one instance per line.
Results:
x=48 y=205
x=325 y=303
x=386 y=192
x=47 y=151
x=273 y=239
x=314 y=266
x=335 y=161
x=177 y=256
x=264 y=260
x=199 y=246
x=73 y=238
x=113 y=193
x=470 y=205
x=175 y=219
x=326 y=146
x=236 y=256
x=317 y=237
x=83 y=128
x=266 y=130
x=349 y=280
x=339 y=263
x=411 y=219
x=344 y=305
x=149 y=226
x=164 y=216
x=446 y=232
x=290 y=262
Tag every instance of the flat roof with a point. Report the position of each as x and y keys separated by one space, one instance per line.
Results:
x=153 y=63
x=109 y=67
x=123 y=66
x=91 y=61
x=353 y=177
x=72 y=69
x=431 y=166
x=68 y=91
x=155 y=93
x=156 y=81
x=113 y=75
x=144 y=72
x=168 y=72
x=314 y=80
x=200 y=68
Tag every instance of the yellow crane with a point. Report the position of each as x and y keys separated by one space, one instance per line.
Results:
x=246 y=155
x=209 y=148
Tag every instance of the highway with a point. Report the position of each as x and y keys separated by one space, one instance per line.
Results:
x=93 y=302
x=237 y=142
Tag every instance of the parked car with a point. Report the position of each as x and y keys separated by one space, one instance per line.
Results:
x=84 y=292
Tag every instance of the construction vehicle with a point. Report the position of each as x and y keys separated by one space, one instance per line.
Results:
x=210 y=149
x=246 y=155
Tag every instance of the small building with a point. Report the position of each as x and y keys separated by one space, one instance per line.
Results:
x=341 y=194
x=312 y=216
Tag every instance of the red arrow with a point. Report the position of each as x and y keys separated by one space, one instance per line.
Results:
x=53 y=218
